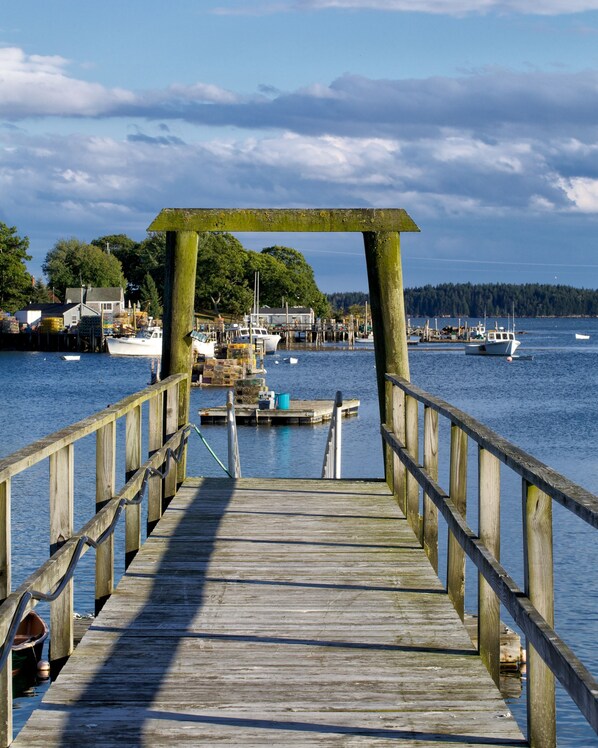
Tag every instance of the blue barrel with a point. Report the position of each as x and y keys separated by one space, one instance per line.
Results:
x=283 y=401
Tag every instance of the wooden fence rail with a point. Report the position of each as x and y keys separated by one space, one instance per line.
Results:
x=532 y=608
x=66 y=544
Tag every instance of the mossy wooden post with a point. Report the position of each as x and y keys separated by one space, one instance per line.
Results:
x=62 y=492
x=489 y=532
x=430 y=539
x=105 y=490
x=539 y=587
x=5 y=584
x=455 y=578
x=385 y=280
x=132 y=463
x=179 y=298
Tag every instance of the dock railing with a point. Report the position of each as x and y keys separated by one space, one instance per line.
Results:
x=532 y=608
x=333 y=451
x=53 y=581
x=234 y=460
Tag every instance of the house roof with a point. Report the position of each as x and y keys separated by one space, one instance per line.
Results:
x=57 y=310
x=94 y=295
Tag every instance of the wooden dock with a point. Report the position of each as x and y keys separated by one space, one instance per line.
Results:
x=299 y=412
x=276 y=612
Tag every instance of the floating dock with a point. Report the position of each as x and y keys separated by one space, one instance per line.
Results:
x=299 y=412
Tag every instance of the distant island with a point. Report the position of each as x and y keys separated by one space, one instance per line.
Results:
x=491 y=299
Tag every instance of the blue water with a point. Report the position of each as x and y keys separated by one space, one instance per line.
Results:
x=547 y=406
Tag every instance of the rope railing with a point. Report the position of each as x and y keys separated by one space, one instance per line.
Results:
x=85 y=540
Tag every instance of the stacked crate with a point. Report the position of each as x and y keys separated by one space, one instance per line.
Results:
x=249 y=391
x=241 y=352
x=222 y=372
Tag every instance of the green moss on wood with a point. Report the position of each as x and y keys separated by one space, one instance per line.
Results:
x=284 y=219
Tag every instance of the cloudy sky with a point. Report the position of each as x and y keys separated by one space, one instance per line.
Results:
x=479 y=117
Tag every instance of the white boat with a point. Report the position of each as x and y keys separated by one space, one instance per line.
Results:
x=579 y=336
x=246 y=335
x=499 y=342
x=68 y=357
x=367 y=340
x=204 y=344
x=147 y=342
x=291 y=360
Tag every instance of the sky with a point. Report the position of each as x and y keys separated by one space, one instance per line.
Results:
x=478 y=117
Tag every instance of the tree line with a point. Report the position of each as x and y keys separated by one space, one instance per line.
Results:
x=492 y=299
x=224 y=281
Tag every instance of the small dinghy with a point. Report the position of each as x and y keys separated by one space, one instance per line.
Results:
x=68 y=357
x=580 y=336
x=28 y=643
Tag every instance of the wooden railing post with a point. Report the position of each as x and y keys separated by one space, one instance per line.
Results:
x=539 y=587
x=489 y=532
x=132 y=463
x=155 y=441
x=412 y=445
x=105 y=490
x=62 y=504
x=431 y=467
x=458 y=493
x=399 y=480
x=171 y=427
x=5 y=588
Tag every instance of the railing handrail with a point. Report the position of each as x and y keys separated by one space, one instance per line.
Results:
x=570 y=495
x=57 y=571
x=39 y=450
x=331 y=467
x=531 y=611
x=234 y=460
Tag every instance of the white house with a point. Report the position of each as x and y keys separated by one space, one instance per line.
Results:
x=293 y=316
x=107 y=300
x=71 y=313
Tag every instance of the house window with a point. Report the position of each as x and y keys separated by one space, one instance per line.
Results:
x=107 y=306
x=74 y=319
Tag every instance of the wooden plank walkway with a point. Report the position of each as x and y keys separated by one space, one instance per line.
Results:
x=276 y=612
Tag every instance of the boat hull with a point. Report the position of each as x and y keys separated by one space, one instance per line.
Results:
x=28 y=644
x=134 y=346
x=498 y=348
x=270 y=341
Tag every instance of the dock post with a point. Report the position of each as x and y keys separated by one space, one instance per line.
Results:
x=455 y=578
x=539 y=587
x=489 y=532
x=132 y=463
x=105 y=490
x=5 y=585
x=62 y=493
x=155 y=441
x=179 y=298
x=430 y=535
x=385 y=281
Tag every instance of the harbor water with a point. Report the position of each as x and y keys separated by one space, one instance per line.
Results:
x=546 y=405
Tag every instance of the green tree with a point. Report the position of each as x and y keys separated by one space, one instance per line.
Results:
x=149 y=297
x=15 y=281
x=40 y=293
x=302 y=285
x=72 y=263
x=221 y=279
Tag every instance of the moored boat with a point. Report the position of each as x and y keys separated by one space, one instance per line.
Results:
x=147 y=342
x=499 y=342
x=254 y=334
x=28 y=642
x=580 y=336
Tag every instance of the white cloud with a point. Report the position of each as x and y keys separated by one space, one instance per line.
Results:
x=582 y=192
x=437 y=7
x=34 y=85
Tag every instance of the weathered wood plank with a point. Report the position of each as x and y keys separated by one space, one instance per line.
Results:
x=283 y=219
x=276 y=612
